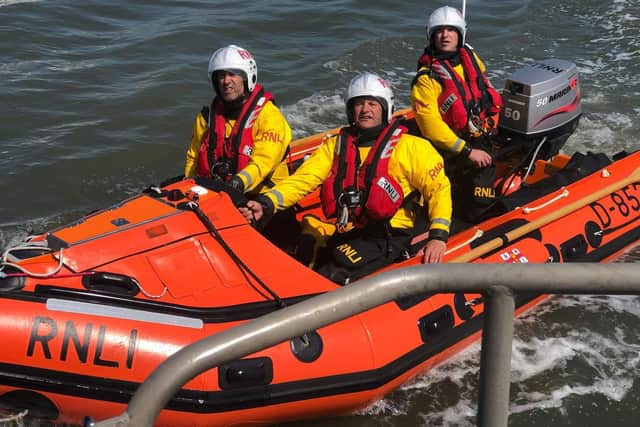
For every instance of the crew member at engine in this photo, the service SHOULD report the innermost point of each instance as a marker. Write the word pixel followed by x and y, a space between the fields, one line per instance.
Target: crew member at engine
pixel 457 109
pixel 242 137
pixel 371 174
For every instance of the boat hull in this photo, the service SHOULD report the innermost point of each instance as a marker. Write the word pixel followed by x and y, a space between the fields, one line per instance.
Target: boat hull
pixel 107 299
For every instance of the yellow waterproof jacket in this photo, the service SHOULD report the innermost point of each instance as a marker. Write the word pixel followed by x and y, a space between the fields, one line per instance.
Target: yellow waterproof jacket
pixel 424 102
pixel 271 138
pixel 414 164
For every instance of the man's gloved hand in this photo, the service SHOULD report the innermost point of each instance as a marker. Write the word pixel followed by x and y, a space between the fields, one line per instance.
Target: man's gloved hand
pixel 236 183
pixel 237 196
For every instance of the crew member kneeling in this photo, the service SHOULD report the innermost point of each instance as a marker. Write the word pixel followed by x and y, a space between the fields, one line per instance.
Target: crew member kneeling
pixel 370 174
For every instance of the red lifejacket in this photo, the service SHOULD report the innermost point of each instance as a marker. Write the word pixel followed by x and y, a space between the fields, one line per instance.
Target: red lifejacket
pixel 367 190
pixel 470 106
pixel 235 151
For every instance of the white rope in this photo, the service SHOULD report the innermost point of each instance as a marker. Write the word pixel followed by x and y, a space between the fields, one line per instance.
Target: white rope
pixel 35 245
pixel 155 189
pixel 18 418
pixel 343 217
pixel 565 193
pixel 148 295
pixel 5 255
pixel 533 159
pixel 477 235
pixel 6 263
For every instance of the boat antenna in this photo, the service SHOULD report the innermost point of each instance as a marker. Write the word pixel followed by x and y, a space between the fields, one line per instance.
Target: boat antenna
pixel 464 9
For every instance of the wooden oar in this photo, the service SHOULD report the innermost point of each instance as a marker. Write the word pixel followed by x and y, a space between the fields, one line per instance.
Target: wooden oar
pixel 512 235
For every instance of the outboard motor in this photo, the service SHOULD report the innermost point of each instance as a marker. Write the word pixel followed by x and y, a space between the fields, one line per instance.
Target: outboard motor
pixel 541 110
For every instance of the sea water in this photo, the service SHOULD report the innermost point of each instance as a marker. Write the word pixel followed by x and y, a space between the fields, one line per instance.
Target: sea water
pixel 97 99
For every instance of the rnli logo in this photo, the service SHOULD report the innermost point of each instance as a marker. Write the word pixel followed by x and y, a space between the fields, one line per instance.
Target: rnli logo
pixel 84 342
pixel 388 188
pixel 546 67
pixel 271 136
pixel 383 82
pixel 448 103
pixel 485 192
pixel 433 173
pixel 350 253
pixel 244 54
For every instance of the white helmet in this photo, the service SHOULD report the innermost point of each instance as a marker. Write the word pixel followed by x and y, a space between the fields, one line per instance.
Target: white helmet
pixel 447 16
pixel 237 60
pixel 369 84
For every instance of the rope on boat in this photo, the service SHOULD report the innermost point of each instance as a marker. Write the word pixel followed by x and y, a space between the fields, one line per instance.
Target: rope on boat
pixel 195 208
pixel 477 235
pixel 148 295
pixel 54 273
pixel 565 193
pixel 25 272
pixel 17 418
pixel 533 159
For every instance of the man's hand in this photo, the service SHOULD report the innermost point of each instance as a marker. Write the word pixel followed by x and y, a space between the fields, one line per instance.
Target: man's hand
pixel 434 251
pixel 252 211
pixel 480 158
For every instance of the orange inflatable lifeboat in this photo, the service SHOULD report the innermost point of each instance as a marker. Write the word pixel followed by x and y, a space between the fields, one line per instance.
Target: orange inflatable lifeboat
pixel 89 310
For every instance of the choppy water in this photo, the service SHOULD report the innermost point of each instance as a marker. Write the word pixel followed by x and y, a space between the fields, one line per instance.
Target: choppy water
pixel 97 100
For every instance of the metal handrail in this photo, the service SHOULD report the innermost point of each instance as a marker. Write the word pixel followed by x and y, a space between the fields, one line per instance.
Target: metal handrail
pixel 497 281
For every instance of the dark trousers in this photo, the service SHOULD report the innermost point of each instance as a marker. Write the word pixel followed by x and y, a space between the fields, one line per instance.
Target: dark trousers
pixel 359 252
pixel 472 188
pixel 282 229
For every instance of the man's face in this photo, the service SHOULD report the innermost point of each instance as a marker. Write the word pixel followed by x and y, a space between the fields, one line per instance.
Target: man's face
pixel 367 112
pixel 230 85
pixel 445 39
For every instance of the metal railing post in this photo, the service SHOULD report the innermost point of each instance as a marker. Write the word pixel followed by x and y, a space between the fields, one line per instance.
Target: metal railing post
pixel 495 357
